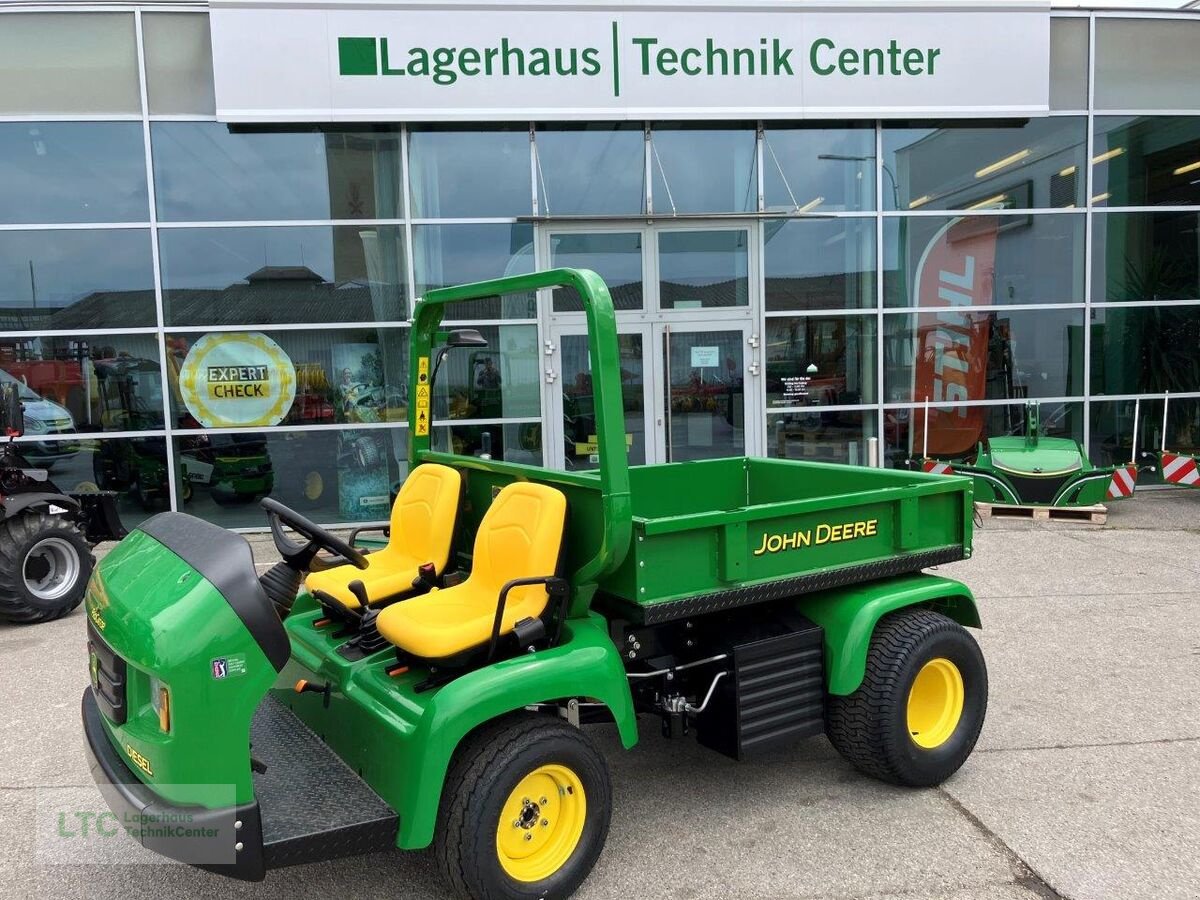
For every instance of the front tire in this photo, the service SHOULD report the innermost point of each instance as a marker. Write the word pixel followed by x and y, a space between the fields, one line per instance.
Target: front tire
pixel 525 812
pixel 916 716
pixel 45 564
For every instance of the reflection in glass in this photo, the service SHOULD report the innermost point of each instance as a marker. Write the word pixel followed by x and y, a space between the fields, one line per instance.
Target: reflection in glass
pixel 703 170
pixel 705 399
pixel 615 255
pixel 328 476
pixel 515 443
pixel 595 169
pixel 134 467
pixel 65 280
pixel 579 409
pixel 73 172
pixel 1152 349
pixel 265 276
pixel 208 171
pixel 819 263
pixel 1035 165
pixel 1146 256
pixel 903 435
pixel 459 254
pixel 86 384
pixel 1146 161
pixel 820 361
pixel 819 169
pixel 814 435
pixel 951 356
pixel 702 269
pixel 459 173
pixel 989 260
pixel 501 380
pixel 341 376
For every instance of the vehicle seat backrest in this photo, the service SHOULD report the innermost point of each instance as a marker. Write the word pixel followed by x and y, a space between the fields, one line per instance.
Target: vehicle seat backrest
pixel 519 537
pixel 424 514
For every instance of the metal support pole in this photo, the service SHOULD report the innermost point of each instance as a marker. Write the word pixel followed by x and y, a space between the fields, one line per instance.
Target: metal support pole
pixel 1137 409
pixel 1166 401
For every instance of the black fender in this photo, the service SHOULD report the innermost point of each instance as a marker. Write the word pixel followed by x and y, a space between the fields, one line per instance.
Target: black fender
pixel 14 504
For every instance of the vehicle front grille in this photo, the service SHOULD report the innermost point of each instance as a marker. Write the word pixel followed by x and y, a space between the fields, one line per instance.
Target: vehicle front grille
pixel 108 674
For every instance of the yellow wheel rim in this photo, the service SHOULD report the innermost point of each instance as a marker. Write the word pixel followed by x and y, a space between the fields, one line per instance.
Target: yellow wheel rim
pixel 935 703
pixel 541 823
pixel 314 485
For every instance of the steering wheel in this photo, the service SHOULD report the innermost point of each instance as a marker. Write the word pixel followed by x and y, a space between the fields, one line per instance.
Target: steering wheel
pixel 303 557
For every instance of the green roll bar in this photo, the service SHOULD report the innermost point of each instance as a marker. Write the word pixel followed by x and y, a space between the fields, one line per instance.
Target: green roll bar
pixel 606 392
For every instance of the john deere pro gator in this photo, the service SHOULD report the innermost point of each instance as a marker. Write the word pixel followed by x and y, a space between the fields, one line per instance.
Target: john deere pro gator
pixel 437 690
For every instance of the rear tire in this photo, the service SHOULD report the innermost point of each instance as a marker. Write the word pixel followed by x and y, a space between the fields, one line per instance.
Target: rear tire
pixel 507 779
pixel 45 564
pixel 916 716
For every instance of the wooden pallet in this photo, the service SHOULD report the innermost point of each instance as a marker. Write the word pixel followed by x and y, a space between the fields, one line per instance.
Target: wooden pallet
pixel 1097 514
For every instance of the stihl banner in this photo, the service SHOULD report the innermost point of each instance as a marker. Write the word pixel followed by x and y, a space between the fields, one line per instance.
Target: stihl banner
pixel 955 271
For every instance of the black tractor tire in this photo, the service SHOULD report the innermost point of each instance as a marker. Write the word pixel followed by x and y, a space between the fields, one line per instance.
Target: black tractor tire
pixel 484 776
pixel 367 453
pixel 870 728
pixel 34 545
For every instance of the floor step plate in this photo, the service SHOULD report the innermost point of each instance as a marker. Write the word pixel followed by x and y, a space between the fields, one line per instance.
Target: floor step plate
pixel 313 805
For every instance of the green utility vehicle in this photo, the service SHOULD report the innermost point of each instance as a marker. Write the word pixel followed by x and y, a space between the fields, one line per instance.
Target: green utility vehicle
pixel 432 691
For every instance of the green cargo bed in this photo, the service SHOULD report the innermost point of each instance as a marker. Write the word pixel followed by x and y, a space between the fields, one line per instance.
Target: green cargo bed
pixel 718 534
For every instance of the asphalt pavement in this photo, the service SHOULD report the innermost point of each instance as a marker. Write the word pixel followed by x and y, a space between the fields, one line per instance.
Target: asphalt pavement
pixel 1084 785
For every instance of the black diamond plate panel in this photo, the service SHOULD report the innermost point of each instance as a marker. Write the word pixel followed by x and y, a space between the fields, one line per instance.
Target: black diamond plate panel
pixel 658 613
pixel 313 805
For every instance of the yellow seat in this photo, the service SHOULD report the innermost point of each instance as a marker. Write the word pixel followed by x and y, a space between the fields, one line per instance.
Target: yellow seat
pixel 519 537
pixel 422 528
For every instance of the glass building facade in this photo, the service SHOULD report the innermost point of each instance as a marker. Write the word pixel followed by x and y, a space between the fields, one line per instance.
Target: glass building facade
pixel 781 287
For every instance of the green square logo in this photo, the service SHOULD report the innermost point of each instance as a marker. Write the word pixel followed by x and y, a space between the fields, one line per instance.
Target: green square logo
pixel 356 56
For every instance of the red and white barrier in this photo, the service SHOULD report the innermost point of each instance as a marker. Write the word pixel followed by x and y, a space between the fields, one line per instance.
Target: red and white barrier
pixel 935 467
pixel 1180 469
pixel 1124 480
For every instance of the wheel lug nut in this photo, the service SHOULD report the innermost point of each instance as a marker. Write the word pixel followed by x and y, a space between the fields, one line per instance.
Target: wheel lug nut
pixel 545 822
pixel 529 837
pixel 516 823
pixel 543 801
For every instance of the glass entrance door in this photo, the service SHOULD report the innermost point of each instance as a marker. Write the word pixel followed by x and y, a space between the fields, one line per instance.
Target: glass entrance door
pixel 576 409
pixel 702 403
pixel 684 296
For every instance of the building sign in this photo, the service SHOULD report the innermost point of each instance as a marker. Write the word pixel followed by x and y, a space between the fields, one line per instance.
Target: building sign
pixel 230 380
pixel 440 60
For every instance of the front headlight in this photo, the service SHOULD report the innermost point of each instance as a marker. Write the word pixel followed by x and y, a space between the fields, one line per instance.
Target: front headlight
pixel 160 699
pixel 36 426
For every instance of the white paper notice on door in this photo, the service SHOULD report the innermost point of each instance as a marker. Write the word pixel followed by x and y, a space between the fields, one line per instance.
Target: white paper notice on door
pixel 706 357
